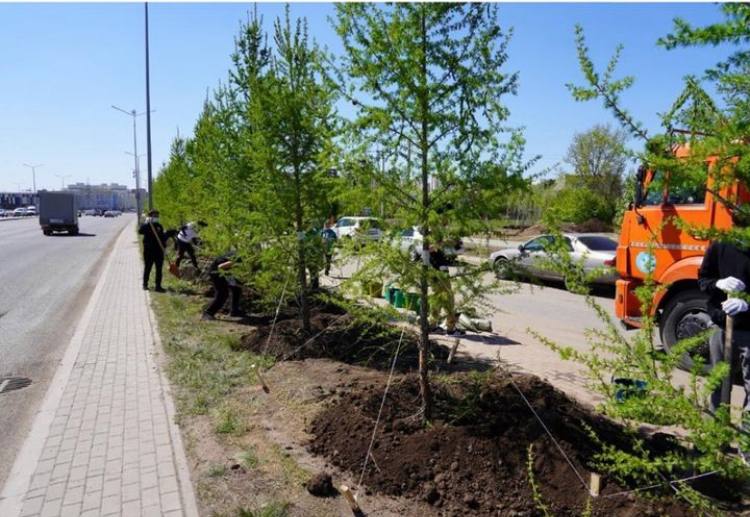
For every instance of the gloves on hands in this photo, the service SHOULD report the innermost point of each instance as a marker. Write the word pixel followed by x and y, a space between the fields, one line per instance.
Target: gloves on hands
pixel 734 306
pixel 730 284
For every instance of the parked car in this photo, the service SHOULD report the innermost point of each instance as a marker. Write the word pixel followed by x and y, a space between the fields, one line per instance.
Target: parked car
pixel 410 240
pixel 89 211
pixel 367 227
pixel 3 212
pixel 19 212
pixel 594 250
pixel 31 210
pixel 110 213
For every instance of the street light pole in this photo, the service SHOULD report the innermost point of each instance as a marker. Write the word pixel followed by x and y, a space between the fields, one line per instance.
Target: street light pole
pixel 138 202
pixel 137 176
pixel 148 116
pixel 33 172
pixel 62 180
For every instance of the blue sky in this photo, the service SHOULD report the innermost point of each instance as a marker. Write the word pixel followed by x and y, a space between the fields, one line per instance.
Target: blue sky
pixel 63 65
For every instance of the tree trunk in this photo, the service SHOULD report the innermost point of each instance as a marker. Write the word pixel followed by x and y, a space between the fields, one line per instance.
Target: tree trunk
pixel 301 269
pixel 424 326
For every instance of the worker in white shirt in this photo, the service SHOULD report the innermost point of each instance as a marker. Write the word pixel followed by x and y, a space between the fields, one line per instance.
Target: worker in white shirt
pixel 186 239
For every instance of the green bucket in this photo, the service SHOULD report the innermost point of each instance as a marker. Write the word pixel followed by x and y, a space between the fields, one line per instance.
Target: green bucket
pixel 398 298
pixel 413 301
pixel 388 293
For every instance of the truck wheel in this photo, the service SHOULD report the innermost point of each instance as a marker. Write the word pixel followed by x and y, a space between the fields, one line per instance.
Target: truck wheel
pixel 47 232
pixel 684 316
pixel 73 231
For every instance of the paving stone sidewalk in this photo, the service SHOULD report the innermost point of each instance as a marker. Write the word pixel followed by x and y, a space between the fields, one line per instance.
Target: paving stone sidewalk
pixel 105 442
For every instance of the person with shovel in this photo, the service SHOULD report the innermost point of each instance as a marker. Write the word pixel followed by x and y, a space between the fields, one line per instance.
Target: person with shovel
pixel 223 284
pixel 154 243
pixel 724 275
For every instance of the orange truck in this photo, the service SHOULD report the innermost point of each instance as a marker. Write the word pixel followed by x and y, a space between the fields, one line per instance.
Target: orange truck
pixel 651 244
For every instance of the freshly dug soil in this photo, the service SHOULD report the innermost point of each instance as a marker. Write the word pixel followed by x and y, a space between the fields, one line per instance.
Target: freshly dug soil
pixel 473 459
pixel 336 335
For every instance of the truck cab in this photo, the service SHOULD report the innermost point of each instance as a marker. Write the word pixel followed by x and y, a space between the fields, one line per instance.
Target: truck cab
pixel 651 244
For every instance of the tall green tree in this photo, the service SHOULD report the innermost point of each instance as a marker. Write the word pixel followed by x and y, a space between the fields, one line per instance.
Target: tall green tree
pixel 427 80
pixel 294 142
pixel 256 168
pixel 599 159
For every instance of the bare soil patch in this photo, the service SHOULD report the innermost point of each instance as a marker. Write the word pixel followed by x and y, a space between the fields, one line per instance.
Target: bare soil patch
pixel 337 335
pixel 473 459
pixel 590 226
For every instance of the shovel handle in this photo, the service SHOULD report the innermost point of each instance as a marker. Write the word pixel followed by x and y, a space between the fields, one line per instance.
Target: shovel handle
pixel 726 386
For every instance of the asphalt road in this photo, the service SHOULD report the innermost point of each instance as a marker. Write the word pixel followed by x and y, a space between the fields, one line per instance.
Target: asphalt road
pixel 45 283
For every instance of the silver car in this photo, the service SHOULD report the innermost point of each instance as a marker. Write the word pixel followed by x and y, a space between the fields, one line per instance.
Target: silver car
pixel 593 250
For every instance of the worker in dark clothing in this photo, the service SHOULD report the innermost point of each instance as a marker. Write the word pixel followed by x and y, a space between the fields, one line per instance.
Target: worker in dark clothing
pixel 223 284
pixel 724 273
pixel 154 243
pixel 443 297
pixel 329 240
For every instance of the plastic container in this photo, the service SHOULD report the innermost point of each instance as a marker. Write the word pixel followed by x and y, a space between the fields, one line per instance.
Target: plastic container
pixel 388 292
pixel 399 300
pixel 413 301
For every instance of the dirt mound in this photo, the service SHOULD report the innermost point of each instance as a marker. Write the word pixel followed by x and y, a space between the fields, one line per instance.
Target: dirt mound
pixel 590 226
pixel 341 337
pixel 473 459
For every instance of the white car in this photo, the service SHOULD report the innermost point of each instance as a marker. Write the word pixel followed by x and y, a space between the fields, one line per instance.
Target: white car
pixel 4 213
pixel 367 227
pixel 411 240
pixel 19 212
pixel 593 250
pixel 31 210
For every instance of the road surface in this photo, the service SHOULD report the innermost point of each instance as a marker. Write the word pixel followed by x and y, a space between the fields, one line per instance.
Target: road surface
pixel 44 284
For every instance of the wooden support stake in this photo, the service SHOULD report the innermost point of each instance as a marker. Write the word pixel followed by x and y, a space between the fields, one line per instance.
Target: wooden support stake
pixel 595 484
pixel 344 489
pixel 452 353
pixel 261 379
pixel 726 386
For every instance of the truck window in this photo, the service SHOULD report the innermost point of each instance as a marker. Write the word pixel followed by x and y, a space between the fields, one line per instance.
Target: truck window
pixel 655 190
pixel 689 188
pixel 685 190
